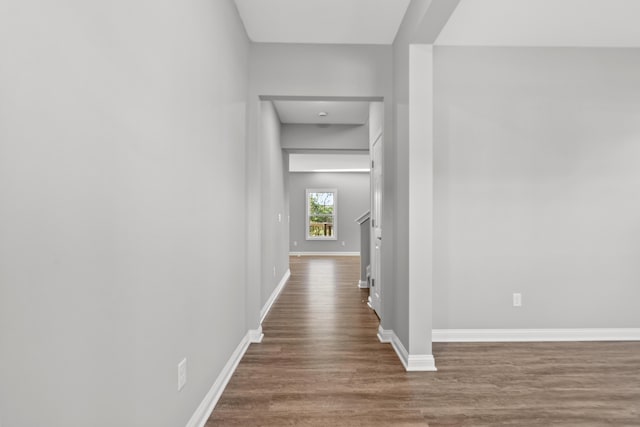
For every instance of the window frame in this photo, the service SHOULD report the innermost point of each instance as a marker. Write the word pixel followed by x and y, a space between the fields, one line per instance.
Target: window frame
pixel 335 213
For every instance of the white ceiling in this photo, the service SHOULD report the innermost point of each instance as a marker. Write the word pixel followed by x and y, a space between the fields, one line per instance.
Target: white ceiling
pixel 338 112
pixel 329 162
pixel 322 21
pixel 569 23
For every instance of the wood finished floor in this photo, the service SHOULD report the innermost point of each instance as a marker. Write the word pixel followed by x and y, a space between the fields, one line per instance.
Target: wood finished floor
pixel 320 364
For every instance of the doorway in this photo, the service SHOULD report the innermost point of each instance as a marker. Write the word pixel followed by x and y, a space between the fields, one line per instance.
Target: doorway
pixel 332 136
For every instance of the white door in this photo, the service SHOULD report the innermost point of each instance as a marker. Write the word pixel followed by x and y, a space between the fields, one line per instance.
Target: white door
pixel 375 288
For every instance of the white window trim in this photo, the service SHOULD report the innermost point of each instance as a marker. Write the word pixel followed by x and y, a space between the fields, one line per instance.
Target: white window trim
pixel 335 213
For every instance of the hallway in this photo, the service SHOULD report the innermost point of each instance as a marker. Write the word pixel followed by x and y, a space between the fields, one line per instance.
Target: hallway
pixel 321 364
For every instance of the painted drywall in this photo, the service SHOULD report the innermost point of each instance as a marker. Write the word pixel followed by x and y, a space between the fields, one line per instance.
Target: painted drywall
pixel 320 70
pixel 353 201
pixel 420 197
pixel 325 137
pixel 122 198
pixel 275 223
pixel 537 187
pixel 295 70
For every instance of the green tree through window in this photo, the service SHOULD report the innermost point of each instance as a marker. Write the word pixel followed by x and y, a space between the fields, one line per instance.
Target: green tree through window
pixel 321 214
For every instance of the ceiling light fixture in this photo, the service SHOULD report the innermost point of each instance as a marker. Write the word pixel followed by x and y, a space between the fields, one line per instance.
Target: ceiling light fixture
pixel 323 114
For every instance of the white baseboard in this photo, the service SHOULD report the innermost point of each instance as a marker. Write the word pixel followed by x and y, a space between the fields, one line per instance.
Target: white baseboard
pixel 411 362
pixel 202 413
pixel 324 253
pixel 255 335
pixel 385 335
pixel 274 295
pixel 362 284
pixel 532 335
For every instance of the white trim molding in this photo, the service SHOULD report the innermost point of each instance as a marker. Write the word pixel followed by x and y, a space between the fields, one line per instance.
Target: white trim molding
pixel 255 335
pixel 532 335
pixel 362 284
pixel 274 296
pixel 202 413
pixel 324 253
pixel 411 362
pixel 385 335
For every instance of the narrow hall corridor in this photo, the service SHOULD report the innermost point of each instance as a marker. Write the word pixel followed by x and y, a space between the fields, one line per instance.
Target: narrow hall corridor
pixel 320 362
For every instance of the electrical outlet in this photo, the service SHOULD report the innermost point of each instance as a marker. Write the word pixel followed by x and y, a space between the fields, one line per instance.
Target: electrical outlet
pixel 517 300
pixel 343 243
pixel 279 217
pixel 295 243
pixel 274 271
pixel 182 374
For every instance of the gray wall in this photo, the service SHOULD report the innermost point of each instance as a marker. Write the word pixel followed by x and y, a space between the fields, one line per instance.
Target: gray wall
pixel 327 137
pixel 537 187
pixel 320 70
pixel 122 188
pixel 275 224
pixel 353 201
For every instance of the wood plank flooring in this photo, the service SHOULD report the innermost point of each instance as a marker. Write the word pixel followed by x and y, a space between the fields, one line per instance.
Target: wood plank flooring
pixel 320 364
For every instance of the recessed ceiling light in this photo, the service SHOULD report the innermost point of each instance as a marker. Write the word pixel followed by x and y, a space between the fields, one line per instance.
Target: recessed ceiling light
pixel 323 114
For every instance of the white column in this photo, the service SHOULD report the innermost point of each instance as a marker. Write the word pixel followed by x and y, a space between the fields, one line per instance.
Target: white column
pixel 420 356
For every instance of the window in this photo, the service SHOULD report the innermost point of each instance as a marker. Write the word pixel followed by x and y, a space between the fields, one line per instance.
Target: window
pixel 322 214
